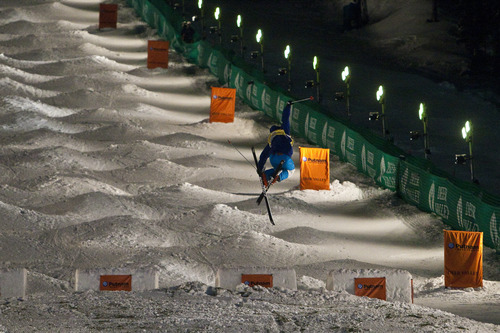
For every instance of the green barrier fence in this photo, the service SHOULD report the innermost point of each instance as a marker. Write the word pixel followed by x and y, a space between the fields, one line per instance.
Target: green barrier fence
pixel 461 205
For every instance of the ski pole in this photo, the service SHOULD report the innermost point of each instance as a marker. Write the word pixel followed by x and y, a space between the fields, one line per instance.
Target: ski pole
pixel 241 154
pixel 302 100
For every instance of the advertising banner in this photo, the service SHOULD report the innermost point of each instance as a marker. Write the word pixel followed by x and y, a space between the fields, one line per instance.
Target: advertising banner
pixel 115 282
pixel 264 280
pixel 158 53
pixel 314 168
pixel 463 259
pixel 222 105
pixel 108 15
pixel 373 287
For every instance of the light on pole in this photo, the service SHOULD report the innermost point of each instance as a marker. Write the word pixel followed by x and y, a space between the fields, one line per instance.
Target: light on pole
pixel 200 6
pixel 217 16
pixel 259 39
pixel 316 69
pixel 346 77
pixel 467 135
pixel 422 114
pixel 381 100
pixel 288 57
pixel 239 23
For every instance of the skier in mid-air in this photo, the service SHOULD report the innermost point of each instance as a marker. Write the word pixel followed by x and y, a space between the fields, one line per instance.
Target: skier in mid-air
pixel 279 148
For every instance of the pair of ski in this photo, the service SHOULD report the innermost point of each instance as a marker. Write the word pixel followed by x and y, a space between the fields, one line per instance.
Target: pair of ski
pixel 263 195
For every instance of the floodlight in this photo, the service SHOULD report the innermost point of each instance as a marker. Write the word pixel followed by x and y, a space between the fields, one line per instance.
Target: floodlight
pixel 421 112
pixel 238 21
pixel 467 131
pixel 345 74
pixel 380 94
pixel 287 51
pixel 258 37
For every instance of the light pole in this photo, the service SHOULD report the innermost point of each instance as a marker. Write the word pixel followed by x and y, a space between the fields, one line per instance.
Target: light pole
pixel 239 23
pixel 381 100
pixel 346 77
pixel 288 57
pixel 259 39
pixel 217 16
pixel 422 114
pixel 200 6
pixel 467 135
pixel 316 68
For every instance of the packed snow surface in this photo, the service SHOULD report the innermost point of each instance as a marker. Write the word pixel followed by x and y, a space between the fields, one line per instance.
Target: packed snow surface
pixel 106 164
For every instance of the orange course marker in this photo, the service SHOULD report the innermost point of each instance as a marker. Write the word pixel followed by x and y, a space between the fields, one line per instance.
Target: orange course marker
pixel 108 15
pixel 373 287
pixel 314 168
pixel 463 259
pixel 115 282
pixel 222 105
pixel 158 53
pixel 264 280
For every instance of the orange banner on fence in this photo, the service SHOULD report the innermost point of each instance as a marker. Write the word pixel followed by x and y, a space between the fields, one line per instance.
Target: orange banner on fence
pixel 108 15
pixel 463 259
pixel 116 282
pixel 158 53
pixel 373 287
pixel 314 168
pixel 264 280
pixel 222 105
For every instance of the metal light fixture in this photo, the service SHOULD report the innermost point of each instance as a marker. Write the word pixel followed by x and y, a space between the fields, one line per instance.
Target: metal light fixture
pixel 381 100
pixel 239 24
pixel 460 159
pixel 316 69
pixel 467 135
pixel 346 77
pixel 288 57
pixel 414 135
pixel 200 6
pixel 372 116
pixel 282 71
pixel 422 115
pixel 310 84
pixel 217 17
pixel 259 38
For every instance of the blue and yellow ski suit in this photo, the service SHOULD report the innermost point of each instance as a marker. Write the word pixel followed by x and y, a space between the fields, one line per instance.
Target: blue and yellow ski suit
pixel 279 147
